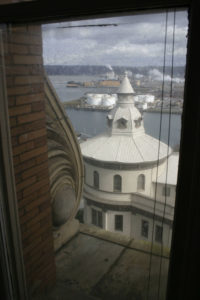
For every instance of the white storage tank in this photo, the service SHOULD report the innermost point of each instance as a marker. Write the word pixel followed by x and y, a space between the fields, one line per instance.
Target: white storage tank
pixel 144 98
pixel 109 100
pixel 93 99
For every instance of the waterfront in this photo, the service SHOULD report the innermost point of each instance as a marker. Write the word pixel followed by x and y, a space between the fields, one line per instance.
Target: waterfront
pixel 72 93
pixel 91 123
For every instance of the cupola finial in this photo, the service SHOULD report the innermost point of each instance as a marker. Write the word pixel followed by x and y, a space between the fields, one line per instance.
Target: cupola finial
pixel 125 87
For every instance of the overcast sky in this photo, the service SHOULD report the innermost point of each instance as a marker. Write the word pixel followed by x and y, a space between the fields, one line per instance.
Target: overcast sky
pixel 133 41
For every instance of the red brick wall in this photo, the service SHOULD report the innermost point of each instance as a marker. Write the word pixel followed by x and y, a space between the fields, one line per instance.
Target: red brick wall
pixel 24 75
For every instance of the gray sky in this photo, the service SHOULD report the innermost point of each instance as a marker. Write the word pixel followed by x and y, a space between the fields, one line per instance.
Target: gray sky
pixel 137 40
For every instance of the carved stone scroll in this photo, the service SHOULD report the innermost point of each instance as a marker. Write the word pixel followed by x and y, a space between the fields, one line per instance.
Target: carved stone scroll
pixel 65 160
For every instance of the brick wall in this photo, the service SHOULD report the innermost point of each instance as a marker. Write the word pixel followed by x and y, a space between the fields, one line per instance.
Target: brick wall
pixel 25 90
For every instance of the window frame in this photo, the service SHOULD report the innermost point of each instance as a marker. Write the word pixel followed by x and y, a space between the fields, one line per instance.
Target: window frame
pixel 186 221
pixel 32 11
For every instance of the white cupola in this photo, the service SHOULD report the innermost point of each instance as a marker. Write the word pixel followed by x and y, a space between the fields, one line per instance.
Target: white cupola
pixel 126 118
pixel 125 140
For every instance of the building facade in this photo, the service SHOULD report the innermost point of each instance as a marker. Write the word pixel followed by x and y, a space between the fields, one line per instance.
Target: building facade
pixel 130 177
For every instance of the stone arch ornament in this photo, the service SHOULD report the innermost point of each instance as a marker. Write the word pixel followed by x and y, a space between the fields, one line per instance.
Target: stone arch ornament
pixel 65 167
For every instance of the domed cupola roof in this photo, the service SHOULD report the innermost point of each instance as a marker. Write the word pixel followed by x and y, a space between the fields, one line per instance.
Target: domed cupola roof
pixel 125 140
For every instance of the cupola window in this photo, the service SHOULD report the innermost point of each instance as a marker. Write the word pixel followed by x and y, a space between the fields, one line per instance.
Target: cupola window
pixel 141 182
pixel 96 179
pixel 117 184
pixel 122 123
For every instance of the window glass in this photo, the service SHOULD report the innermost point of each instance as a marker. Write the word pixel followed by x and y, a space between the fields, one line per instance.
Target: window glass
pixel 166 191
pixel 158 233
pixel 100 219
pixel 119 222
pixel 96 179
pixel 130 70
pixel 122 123
pixel 141 182
pixel 97 218
pixel 117 183
pixel 94 217
pixel 145 228
pixel 121 82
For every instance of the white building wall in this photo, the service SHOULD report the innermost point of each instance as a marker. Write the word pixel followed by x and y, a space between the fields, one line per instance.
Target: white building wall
pixel 88 214
pixel 132 224
pixel 129 179
pixel 136 230
pixel 136 224
pixel 159 193
pixel 110 224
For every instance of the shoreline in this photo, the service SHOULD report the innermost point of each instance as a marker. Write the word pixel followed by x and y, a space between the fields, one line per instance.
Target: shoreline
pixel 79 104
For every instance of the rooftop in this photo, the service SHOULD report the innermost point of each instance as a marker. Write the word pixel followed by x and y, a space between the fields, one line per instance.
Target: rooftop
pixel 124 149
pixel 96 264
pixel 169 175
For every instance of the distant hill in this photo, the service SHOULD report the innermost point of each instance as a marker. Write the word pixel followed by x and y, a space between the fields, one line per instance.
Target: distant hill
pixel 98 70
pixel 75 70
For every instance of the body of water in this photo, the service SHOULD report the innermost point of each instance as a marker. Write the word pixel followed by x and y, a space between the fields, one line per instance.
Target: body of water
pixel 69 93
pixel 91 123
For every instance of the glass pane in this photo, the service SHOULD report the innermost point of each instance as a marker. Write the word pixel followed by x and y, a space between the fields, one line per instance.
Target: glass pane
pixel 121 81
pixel 145 229
pixel 96 180
pixel 94 217
pixel 117 183
pixel 100 219
pixel 119 222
